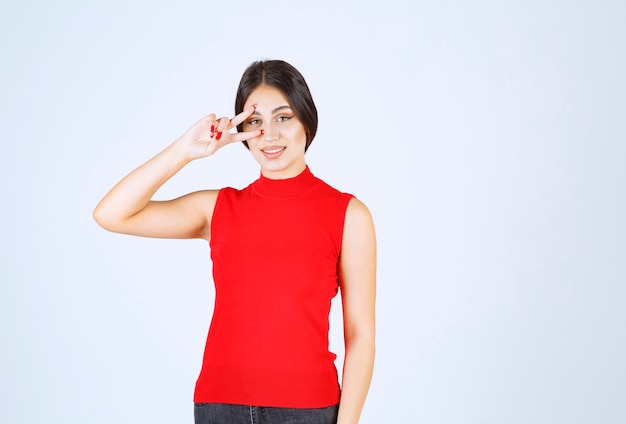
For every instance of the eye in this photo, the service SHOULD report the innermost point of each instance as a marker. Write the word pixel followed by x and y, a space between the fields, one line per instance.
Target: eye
pixel 283 118
pixel 253 122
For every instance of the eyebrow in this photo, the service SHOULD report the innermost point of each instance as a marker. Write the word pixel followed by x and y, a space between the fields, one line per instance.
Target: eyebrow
pixel 279 108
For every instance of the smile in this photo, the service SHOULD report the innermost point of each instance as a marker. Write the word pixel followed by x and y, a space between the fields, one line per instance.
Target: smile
pixel 273 152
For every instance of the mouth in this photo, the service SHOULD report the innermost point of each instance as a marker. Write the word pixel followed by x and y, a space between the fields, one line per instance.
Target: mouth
pixel 272 152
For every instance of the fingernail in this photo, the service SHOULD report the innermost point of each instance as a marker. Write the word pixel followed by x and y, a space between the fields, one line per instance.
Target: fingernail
pixel 254 105
pixel 262 132
pixel 218 136
pixel 212 128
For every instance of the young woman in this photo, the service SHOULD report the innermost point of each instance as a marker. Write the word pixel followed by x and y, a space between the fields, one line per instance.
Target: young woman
pixel 281 249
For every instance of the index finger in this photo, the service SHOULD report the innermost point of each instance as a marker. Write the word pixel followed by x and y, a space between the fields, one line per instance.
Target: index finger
pixel 242 116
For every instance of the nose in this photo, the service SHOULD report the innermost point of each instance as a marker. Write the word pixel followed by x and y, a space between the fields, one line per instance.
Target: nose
pixel 270 132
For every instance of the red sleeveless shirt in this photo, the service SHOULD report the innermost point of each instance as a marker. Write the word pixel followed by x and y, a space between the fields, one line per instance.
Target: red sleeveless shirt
pixel 275 249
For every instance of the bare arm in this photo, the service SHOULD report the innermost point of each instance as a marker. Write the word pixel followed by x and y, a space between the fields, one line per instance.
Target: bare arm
pixel 357 273
pixel 128 207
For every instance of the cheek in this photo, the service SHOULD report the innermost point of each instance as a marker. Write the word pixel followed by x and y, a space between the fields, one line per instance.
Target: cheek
pixel 298 133
pixel 252 144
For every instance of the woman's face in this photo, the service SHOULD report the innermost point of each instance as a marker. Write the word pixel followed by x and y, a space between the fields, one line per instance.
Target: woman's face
pixel 280 149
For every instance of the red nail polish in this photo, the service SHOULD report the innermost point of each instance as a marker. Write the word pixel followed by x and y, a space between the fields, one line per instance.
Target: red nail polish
pixel 262 132
pixel 218 136
pixel 212 128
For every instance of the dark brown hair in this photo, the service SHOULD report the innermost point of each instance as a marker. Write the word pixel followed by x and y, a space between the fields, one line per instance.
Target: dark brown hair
pixel 284 77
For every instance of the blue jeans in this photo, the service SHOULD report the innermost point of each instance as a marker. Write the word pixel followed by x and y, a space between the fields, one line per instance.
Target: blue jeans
pixel 217 413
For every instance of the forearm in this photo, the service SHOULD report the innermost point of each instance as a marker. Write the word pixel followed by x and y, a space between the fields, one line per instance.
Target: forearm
pixel 357 375
pixel 133 192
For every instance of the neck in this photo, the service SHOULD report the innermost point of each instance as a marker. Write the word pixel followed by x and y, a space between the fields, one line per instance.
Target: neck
pixel 283 174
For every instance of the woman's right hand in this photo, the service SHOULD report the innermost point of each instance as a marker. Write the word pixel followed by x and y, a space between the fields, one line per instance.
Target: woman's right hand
pixel 127 208
pixel 210 134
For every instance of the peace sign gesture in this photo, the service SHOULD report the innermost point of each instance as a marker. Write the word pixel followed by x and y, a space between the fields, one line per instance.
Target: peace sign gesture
pixel 210 134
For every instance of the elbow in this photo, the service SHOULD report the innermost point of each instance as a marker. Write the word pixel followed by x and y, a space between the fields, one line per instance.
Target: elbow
pixel 100 218
pixel 103 219
pixel 361 348
pixel 362 338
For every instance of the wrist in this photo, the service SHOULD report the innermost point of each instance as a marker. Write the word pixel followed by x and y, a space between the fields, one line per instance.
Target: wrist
pixel 180 152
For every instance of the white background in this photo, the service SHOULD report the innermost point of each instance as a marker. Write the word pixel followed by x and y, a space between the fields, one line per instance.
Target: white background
pixel 487 138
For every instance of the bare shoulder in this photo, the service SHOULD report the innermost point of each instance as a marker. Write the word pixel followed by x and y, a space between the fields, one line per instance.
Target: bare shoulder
pixel 358 213
pixel 357 261
pixel 358 225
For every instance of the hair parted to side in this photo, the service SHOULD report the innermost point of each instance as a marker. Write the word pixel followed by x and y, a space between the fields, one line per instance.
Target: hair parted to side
pixel 284 77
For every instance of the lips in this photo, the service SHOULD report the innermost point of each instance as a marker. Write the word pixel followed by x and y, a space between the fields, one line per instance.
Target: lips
pixel 273 152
